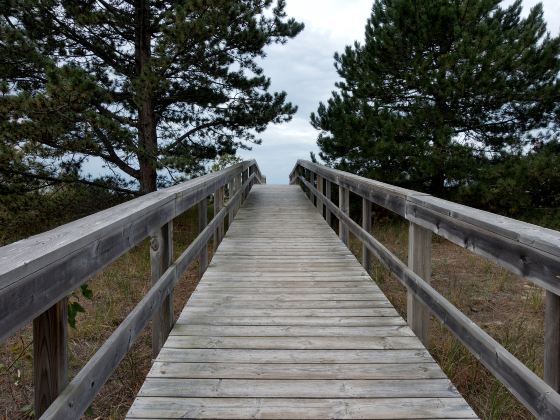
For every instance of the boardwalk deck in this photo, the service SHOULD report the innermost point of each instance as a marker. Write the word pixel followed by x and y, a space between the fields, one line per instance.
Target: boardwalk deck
pixel 285 323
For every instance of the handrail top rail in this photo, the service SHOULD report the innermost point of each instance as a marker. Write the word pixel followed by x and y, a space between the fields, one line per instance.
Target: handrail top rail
pixel 25 256
pixel 529 235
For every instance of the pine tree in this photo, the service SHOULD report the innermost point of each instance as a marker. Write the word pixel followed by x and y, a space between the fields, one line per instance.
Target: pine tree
pixel 145 85
pixel 438 89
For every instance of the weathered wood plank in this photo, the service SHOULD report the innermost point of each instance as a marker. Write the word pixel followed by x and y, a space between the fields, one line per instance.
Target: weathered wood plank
pixel 294 356
pixel 303 408
pixel 258 388
pixel 290 295
pixel 271 304
pixel 360 321
pixel 399 330
pixel 240 291
pixel 294 343
pixel 280 312
pixel 299 371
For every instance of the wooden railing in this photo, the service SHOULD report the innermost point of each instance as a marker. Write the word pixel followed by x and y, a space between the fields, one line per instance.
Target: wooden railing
pixel 37 275
pixel 522 248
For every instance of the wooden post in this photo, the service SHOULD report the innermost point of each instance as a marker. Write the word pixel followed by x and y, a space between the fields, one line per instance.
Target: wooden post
pixel 366 224
pixel 239 185
pixel 218 205
pixel 251 171
pixel 293 176
pixel 222 205
pixel 552 340
pixel 202 223
pixel 216 211
pixel 161 257
pixel 222 223
pixel 50 355
pixel 307 176
pixel 232 190
pixel 328 194
pixel 343 204
pixel 244 177
pixel 320 199
pixel 419 261
pixel 312 179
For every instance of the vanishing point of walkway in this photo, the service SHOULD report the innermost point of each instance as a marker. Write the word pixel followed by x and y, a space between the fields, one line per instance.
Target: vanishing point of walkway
pixel 286 323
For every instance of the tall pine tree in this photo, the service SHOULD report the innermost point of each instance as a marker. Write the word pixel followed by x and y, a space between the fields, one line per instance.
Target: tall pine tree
pixel 438 89
pixel 142 84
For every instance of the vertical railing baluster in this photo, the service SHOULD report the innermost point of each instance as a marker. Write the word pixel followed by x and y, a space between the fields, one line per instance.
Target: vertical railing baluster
pixel 232 191
pixel 218 205
pixel 202 223
pixel 312 178
pixel 244 177
pixel 366 224
pixel 161 257
pixel 343 204
pixel 239 186
pixel 50 355
pixel 328 194
pixel 419 261
pixel 320 199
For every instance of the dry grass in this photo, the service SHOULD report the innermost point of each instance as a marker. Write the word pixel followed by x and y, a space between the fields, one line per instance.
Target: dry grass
pixel 507 307
pixel 116 291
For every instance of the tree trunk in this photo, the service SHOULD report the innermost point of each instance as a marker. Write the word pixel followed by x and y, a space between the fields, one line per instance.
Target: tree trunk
pixel 147 133
pixel 437 187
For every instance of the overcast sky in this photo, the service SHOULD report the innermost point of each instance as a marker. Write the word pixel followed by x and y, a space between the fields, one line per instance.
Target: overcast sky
pixel 304 69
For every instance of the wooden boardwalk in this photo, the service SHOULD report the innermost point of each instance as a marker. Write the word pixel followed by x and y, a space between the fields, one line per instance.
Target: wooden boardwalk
pixel 285 323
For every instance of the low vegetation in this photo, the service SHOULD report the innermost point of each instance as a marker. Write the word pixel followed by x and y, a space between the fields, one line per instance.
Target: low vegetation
pixel 116 291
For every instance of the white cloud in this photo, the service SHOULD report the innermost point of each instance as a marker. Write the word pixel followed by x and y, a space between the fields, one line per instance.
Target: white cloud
pixel 304 69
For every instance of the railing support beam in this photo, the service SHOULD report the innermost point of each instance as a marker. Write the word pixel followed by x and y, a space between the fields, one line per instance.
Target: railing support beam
pixel 419 261
pixel 552 341
pixel 50 355
pixel 161 257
